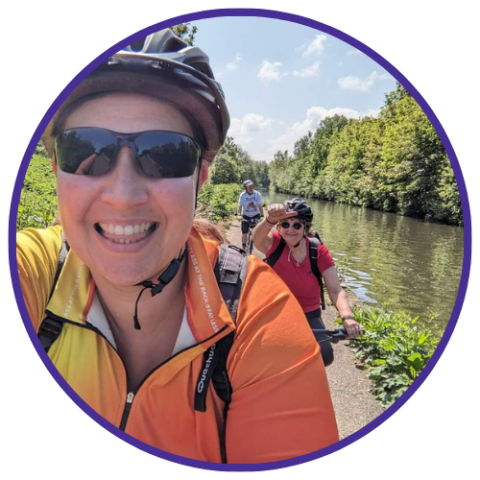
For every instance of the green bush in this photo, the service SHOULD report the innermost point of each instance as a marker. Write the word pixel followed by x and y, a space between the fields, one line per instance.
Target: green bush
pixel 216 202
pixel 38 199
pixel 394 350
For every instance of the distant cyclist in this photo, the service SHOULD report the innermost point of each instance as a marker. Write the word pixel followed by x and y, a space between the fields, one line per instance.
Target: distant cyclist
pixel 250 207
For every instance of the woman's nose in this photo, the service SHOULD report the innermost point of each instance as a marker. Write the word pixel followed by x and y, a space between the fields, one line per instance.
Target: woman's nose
pixel 125 185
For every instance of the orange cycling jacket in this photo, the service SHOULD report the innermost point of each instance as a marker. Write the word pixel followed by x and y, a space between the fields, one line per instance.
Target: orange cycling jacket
pixel 281 405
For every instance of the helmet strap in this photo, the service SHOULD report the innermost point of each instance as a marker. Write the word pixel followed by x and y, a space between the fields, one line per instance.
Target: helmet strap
pixel 199 167
pixel 163 280
pixel 169 274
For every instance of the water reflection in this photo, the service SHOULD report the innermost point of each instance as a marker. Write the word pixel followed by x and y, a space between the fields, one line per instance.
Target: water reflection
pixel 410 264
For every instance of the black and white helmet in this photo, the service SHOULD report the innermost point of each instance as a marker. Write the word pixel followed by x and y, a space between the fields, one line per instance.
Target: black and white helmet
pixel 246 183
pixel 304 212
pixel 165 66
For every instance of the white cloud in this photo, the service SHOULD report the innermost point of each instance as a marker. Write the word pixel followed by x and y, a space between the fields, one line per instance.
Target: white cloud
pixel 308 72
pixel 315 47
pixel 269 71
pixel 232 66
pixel 353 52
pixel 361 85
pixel 301 48
pixel 244 129
pixel 371 112
pixel 314 116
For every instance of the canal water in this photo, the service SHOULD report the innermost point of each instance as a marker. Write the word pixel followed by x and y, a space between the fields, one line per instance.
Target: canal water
pixel 407 263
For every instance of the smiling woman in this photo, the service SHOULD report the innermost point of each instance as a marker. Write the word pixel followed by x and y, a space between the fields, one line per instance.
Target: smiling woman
pixel 303 262
pixel 130 149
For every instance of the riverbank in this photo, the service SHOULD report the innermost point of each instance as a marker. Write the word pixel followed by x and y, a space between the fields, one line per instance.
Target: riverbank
pixel 354 405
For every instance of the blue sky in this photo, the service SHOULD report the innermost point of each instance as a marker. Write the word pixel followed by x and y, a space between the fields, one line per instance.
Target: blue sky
pixel 281 79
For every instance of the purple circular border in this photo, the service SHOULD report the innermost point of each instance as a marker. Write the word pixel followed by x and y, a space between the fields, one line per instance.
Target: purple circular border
pixel 461 187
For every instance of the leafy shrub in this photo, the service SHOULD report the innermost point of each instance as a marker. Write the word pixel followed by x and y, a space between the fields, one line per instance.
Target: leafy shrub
pixel 218 201
pixel 38 199
pixel 394 349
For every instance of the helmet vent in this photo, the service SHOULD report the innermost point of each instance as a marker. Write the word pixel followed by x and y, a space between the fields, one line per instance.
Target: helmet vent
pixel 173 44
pixel 138 45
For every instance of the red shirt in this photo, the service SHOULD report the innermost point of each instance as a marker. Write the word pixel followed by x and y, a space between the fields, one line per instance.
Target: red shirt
pixel 300 279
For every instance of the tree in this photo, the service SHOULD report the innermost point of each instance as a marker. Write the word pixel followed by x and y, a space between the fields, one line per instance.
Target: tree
pixel 186 31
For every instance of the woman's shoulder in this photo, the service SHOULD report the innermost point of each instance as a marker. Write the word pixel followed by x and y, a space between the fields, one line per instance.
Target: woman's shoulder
pixel 271 326
pixel 322 248
pixel 276 241
pixel 38 253
pixel 47 240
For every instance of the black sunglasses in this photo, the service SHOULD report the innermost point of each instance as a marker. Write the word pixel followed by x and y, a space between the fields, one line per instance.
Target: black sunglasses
pixel 93 151
pixel 287 225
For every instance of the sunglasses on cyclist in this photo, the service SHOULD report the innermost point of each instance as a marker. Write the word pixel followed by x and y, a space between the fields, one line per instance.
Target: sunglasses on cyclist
pixel 287 225
pixel 159 153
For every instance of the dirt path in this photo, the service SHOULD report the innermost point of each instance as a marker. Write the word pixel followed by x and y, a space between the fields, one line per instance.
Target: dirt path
pixel 354 405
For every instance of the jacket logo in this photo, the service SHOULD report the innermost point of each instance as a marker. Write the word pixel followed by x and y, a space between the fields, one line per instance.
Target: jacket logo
pixel 206 369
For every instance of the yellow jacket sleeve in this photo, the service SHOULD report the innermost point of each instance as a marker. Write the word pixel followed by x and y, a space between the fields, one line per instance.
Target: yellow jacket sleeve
pixel 38 252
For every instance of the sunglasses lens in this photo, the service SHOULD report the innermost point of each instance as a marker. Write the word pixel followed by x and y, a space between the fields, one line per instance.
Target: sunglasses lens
pixel 92 151
pixel 87 151
pixel 167 154
pixel 287 225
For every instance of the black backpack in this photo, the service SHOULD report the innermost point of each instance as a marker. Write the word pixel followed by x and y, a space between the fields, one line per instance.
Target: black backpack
pixel 312 253
pixel 230 272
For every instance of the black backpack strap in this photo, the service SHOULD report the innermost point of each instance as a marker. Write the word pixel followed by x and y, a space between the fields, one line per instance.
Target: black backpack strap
pixel 313 253
pixel 61 260
pixel 230 272
pixel 275 255
pixel 51 328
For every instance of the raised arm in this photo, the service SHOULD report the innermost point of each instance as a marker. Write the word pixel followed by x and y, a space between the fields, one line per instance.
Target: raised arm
pixel 262 237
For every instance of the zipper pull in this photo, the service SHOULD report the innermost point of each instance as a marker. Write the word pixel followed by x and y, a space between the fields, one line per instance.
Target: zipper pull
pixel 126 411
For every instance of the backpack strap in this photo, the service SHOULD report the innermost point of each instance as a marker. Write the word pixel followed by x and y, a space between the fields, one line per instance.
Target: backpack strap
pixel 275 255
pixel 313 254
pixel 51 328
pixel 230 271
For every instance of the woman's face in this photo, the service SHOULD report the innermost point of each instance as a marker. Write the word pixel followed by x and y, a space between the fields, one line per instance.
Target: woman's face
pixel 291 235
pixel 124 226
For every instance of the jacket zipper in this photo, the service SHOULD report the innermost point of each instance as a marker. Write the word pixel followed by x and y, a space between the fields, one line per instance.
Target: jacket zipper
pixel 130 395
pixel 126 411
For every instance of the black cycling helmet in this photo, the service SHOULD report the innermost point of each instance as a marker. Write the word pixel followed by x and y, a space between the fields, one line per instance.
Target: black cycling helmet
pixel 165 66
pixel 304 212
pixel 246 183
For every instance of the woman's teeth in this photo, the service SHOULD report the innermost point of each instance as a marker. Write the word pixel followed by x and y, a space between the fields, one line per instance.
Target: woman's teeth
pixel 126 230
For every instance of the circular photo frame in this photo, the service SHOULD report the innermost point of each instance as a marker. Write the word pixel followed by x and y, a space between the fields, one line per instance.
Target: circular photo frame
pixel 392 71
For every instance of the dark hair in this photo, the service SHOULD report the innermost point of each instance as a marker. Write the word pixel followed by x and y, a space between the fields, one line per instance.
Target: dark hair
pixel 209 230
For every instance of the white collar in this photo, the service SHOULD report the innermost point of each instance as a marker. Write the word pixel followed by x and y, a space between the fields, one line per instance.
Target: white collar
pixel 97 318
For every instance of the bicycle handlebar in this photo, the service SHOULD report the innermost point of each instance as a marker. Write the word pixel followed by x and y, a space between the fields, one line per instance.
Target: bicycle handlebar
pixel 334 335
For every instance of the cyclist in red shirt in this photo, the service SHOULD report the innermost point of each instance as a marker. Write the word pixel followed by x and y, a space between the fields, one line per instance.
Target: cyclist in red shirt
pixel 293 221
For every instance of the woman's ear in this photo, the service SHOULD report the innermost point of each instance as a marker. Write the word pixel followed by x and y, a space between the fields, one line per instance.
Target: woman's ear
pixel 203 173
pixel 54 164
